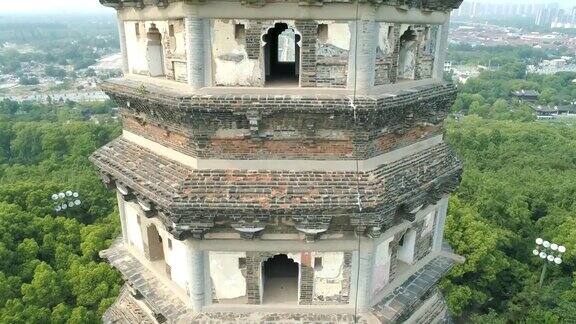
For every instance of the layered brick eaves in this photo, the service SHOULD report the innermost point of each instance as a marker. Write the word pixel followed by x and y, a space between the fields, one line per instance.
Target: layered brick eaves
pixel 199 199
pixel 248 127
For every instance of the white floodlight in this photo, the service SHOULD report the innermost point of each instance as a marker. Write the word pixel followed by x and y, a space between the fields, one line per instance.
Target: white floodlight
pixel 539 241
pixel 561 249
pixel 557 260
pixel 536 252
pixel 61 195
pixel 55 197
pixel 77 202
pixel 64 206
pixel 57 208
pixel 550 257
pixel 554 246
pixel 543 255
pixel 546 244
pixel 75 195
pixel 68 193
pixel 71 204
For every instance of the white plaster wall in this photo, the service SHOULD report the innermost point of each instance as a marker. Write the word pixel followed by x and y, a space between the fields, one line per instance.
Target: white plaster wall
pixel 227 279
pixel 132 227
pixel 245 72
pixel 386 41
pixel 381 271
pixel 136 46
pixel 429 223
pixel 176 258
pixel 328 281
pixel 338 34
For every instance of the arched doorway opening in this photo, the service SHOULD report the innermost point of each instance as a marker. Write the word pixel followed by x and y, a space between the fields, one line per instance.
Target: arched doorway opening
pixel 281 56
pixel 280 280
pixel 407 55
pixel 155 247
pixel 154 52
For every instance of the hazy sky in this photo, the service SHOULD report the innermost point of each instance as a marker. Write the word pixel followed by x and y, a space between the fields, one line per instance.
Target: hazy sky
pixel 52 6
pixel 65 6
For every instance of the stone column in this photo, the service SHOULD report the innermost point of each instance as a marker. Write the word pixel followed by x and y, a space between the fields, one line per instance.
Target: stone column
pixel 122 210
pixel 362 57
pixel 196 278
pixel 123 48
pixel 363 276
pixel 440 221
pixel 441 48
pixel 195 51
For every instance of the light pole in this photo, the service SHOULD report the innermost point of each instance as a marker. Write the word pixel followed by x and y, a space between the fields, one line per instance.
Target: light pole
pixel 548 252
pixel 65 200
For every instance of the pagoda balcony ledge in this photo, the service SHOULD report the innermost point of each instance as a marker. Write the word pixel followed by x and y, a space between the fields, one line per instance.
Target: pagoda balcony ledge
pixel 179 89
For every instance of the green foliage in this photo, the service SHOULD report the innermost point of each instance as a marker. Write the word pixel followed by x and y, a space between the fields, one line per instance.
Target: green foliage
pixel 50 271
pixel 519 183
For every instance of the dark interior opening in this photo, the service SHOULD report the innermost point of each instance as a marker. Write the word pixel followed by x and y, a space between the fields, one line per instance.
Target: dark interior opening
pixel 280 280
pixel 280 266
pixel 282 55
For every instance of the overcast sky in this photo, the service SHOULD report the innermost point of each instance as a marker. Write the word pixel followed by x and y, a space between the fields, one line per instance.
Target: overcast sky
pixel 52 6
pixel 69 6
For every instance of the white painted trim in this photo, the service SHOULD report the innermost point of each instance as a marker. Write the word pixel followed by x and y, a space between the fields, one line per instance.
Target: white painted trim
pixel 279 165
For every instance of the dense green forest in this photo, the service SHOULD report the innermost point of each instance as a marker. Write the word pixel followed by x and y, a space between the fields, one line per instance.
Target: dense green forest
pixel 519 183
pixel 50 271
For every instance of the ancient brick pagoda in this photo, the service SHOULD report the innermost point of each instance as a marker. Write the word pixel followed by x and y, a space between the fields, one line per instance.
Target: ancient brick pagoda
pixel 281 161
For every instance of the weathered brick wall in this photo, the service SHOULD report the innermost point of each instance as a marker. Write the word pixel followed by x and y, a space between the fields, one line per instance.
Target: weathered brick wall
pixel 168 136
pixel 307 29
pixel 423 242
pixel 253 275
pixel 331 66
pixel 282 127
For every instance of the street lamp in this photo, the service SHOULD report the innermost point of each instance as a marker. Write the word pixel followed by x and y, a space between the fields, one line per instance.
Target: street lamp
pixel 65 200
pixel 549 253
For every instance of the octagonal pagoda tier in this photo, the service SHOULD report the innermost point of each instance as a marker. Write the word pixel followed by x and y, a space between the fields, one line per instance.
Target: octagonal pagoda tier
pixel 281 161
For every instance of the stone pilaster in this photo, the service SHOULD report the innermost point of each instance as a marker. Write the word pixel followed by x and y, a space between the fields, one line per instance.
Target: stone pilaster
pixel 195 51
pixel 123 48
pixel 122 211
pixel 196 277
pixel 441 211
pixel 441 49
pixel 393 74
pixel 363 275
pixel 362 58
pixel 307 29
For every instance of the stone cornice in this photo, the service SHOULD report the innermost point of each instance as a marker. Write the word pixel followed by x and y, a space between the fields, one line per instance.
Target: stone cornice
pixel 432 5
